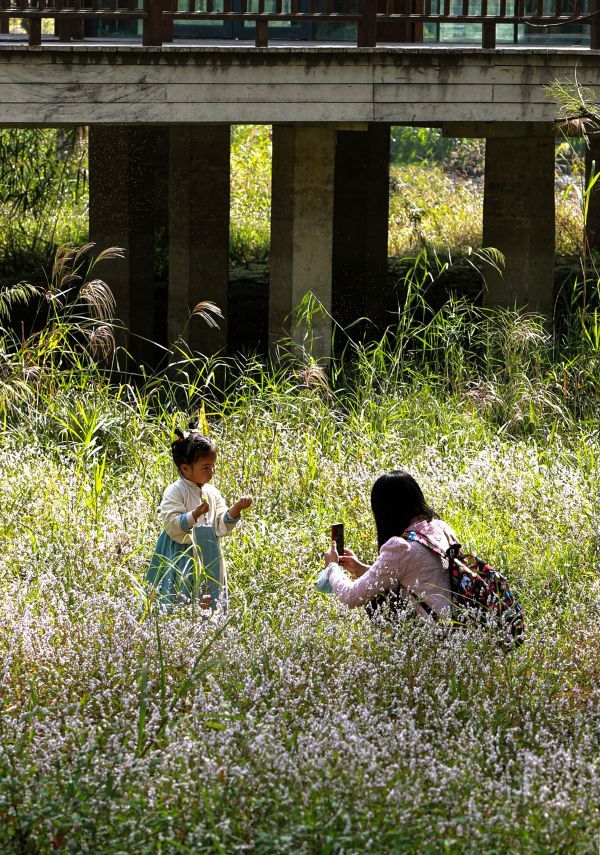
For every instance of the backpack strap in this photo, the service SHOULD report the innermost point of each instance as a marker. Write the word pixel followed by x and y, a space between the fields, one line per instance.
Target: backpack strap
pixel 417 537
pixel 414 536
pixel 452 554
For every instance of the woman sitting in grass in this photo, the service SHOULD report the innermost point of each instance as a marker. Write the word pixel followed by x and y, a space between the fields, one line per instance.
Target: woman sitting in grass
pixel 405 573
pixel 190 500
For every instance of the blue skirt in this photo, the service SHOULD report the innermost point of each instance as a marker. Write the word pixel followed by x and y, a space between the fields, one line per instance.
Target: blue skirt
pixel 181 573
pixel 173 571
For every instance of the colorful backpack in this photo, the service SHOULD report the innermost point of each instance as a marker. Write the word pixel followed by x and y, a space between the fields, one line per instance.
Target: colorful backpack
pixel 481 596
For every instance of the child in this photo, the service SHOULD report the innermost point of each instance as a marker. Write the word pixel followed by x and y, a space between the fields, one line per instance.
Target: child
pixel 192 499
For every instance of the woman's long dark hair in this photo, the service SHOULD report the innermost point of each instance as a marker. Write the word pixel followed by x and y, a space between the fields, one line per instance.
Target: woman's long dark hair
pixel 396 499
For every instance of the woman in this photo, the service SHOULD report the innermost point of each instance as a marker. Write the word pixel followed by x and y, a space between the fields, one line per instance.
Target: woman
pixel 405 571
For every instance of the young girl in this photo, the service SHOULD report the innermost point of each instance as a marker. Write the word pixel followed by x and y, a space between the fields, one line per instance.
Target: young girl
pixel 192 499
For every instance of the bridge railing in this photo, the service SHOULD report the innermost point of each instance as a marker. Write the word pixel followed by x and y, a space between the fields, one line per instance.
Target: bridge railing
pixel 369 16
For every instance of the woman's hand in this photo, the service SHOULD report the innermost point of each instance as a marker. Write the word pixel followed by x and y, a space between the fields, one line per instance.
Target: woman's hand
pixel 241 505
pixel 331 556
pixel 350 562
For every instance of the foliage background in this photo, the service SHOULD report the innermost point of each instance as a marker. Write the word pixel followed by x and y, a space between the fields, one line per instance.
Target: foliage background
pixel 43 197
pixel 436 195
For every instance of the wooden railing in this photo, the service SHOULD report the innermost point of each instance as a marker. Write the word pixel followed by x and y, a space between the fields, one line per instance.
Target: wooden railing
pixel 369 16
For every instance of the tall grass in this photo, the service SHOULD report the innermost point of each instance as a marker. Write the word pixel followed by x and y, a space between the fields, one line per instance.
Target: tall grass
pixel 297 725
pixel 43 196
pixel 436 194
pixel 250 229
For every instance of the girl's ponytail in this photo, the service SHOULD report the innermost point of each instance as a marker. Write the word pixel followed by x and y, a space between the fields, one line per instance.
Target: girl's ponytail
pixel 190 445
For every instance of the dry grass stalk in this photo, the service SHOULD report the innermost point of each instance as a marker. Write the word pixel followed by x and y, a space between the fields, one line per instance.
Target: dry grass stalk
pixel 205 309
pixel 98 296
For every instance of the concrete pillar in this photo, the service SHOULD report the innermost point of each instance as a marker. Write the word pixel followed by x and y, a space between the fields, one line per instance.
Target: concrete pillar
pixel 199 205
pixel 302 231
pixel 148 158
pixel 518 219
pixel 128 209
pixel 109 209
pixel 360 231
pixel 592 225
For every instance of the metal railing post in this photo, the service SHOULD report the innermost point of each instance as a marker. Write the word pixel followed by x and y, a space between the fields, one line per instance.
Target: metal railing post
pixel 261 38
pixel 367 27
pixel 595 25
pixel 168 23
pixel 488 34
pixel 35 30
pixel 152 32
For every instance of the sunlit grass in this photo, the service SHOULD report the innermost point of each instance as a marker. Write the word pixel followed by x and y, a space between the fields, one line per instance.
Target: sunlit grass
pixel 250 231
pixel 427 204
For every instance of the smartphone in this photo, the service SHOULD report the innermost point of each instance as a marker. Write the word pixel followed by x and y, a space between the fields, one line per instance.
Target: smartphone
pixel 337 534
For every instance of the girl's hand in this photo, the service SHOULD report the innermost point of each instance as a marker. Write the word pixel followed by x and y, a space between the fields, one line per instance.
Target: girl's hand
pixel 331 556
pixel 350 562
pixel 240 505
pixel 200 510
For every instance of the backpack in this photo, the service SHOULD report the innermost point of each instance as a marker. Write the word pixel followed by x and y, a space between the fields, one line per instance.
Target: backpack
pixel 481 596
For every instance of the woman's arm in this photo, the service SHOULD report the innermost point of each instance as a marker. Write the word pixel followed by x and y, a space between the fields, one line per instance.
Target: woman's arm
pixel 379 577
pixel 351 564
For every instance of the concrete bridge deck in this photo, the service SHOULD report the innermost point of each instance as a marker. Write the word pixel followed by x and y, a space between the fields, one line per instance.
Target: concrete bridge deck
pixel 120 82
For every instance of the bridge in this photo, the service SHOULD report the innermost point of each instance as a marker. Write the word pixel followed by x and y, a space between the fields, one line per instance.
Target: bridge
pixel 159 105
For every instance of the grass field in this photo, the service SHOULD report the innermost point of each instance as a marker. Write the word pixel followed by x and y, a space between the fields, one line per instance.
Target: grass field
pixel 295 725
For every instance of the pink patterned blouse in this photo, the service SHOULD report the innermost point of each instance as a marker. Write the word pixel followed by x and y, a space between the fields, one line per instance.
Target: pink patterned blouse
pixel 402 565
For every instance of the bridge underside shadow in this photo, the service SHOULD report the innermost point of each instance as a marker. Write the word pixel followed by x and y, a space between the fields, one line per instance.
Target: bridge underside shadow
pixel 160 123
pixel 163 193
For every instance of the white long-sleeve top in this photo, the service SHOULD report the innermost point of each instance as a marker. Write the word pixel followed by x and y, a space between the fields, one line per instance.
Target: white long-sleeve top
pixel 411 567
pixel 183 497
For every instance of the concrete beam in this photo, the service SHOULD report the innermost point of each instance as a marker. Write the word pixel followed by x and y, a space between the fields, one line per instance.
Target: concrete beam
pixel 495 130
pixel 518 219
pixel 302 232
pixel 91 84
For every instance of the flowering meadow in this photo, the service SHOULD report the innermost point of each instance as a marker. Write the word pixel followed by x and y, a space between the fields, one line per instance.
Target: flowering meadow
pixel 292 724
